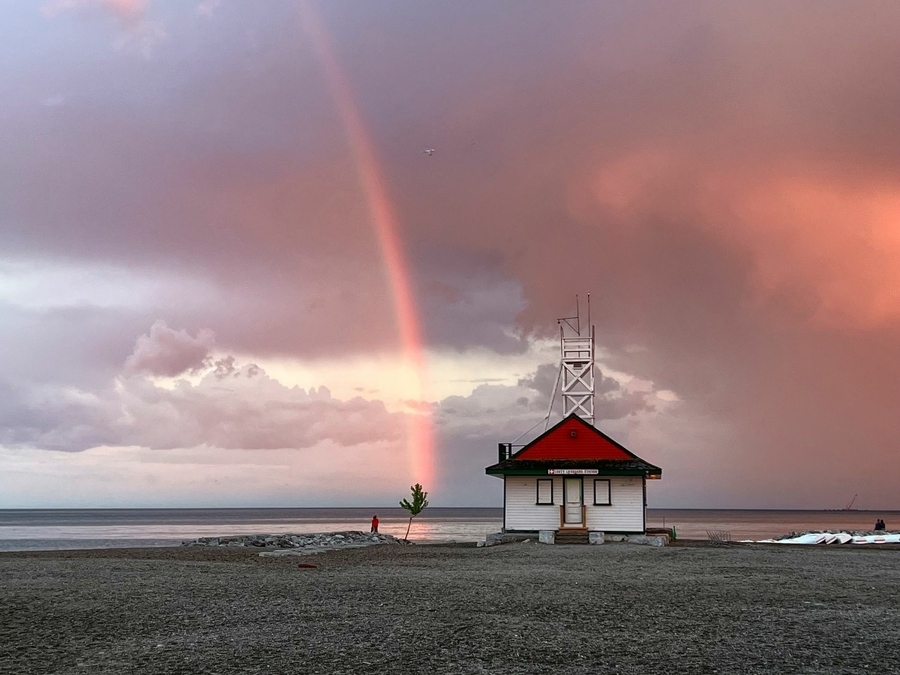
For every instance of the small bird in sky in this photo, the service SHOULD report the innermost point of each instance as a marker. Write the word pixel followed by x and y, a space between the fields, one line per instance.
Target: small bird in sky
pixel 429 151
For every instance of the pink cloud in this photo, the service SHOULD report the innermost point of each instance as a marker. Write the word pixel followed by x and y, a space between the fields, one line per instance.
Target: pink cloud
pixel 138 33
pixel 125 10
pixel 168 353
pixel 247 410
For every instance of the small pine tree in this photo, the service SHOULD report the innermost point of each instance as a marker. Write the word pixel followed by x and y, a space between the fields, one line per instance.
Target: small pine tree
pixel 416 506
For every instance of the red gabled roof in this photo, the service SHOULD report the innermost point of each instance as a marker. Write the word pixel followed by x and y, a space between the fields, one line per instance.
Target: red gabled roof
pixel 572 444
pixel 573 439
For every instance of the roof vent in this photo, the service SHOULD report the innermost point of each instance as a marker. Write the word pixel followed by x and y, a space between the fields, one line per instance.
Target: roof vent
pixel 573 433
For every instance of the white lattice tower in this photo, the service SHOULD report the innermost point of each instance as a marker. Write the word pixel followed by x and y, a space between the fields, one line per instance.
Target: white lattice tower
pixel 577 366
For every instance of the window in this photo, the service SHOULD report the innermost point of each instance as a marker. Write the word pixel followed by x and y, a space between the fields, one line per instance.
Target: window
pixel 601 492
pixel 545 491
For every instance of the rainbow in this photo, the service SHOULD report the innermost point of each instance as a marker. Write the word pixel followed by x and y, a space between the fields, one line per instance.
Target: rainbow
pixel 419 437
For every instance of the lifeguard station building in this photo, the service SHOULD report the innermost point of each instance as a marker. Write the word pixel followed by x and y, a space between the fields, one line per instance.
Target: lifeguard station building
pixel 574 479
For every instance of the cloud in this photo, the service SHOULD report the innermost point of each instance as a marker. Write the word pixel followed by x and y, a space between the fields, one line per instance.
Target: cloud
pixel 612 400
pixel 141 38
pixel 78 346
pixel 200 477
pixel 168 353
pixel 720 179
pixel 138 33
pixel 125 10
pixel 224 367
pixel 207 7
pixel 465 303
pixel 54 101
pixel 248 410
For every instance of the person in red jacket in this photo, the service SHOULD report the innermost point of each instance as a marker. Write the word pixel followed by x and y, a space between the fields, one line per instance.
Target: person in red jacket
pixel 374 524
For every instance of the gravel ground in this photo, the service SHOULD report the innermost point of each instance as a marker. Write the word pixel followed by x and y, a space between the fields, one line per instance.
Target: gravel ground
pixel 519 608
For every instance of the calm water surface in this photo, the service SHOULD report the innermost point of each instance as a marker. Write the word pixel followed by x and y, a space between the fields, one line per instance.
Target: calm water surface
pixel 37 529
pixel 40 529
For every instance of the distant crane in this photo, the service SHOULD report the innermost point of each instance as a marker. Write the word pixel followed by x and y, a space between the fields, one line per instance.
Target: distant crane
pixel 849 506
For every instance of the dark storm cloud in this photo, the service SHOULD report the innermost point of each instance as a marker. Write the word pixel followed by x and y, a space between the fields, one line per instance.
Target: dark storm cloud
pixel 544 380
pixel 723 178
pixel 465 303
pixel 610 401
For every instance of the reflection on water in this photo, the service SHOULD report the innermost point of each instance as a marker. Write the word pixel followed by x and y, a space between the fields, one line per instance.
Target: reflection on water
pixel 419 530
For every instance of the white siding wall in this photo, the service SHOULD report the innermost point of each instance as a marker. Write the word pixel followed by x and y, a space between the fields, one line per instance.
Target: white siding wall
pixel 626 510
pixel 521 511
pixel 624 514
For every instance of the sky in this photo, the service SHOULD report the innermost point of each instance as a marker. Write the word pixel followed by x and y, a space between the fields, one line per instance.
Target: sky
pixel 230 274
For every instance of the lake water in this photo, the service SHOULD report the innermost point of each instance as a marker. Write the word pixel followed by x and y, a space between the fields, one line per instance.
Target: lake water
pixel 35 529
pixel 42 529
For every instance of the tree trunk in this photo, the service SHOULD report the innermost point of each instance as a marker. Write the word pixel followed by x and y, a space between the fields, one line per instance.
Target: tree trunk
pixel 406 538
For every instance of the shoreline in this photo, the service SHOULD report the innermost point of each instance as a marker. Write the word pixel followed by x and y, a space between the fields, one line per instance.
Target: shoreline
pixel 307 543
pixel 182 552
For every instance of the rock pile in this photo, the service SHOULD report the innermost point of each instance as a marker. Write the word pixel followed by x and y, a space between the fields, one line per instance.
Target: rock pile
pixel 285 544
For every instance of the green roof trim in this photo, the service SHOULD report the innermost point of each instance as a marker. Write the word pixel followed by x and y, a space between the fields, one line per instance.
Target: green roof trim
pixel 542 467
pixel 492 471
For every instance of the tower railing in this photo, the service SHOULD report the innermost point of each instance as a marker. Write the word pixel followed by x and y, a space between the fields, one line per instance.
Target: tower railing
pixel 577 374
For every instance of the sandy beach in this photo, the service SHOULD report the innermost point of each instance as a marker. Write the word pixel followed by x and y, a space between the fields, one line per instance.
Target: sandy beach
pixel 518 608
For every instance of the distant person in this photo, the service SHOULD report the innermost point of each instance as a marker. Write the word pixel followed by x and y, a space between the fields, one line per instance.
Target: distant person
pixel 374 524
pixel 879 524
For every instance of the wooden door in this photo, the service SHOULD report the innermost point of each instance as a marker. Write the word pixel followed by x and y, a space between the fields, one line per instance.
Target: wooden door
pixel 574 498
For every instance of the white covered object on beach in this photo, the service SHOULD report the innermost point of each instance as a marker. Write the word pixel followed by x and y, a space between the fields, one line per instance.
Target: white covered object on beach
pixel 814 538
pixel 877 539
pixel 811 538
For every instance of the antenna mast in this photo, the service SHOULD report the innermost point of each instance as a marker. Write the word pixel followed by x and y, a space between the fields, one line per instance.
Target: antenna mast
pixel 577 364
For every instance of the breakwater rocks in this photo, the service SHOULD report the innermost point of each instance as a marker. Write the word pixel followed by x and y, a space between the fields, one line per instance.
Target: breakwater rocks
pixel 298 544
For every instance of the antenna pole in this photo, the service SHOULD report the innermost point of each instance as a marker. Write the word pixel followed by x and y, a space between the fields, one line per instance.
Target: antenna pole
pixel 589 312
pixel 577 315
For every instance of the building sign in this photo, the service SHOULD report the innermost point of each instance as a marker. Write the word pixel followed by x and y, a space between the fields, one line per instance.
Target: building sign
pixel 573 472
